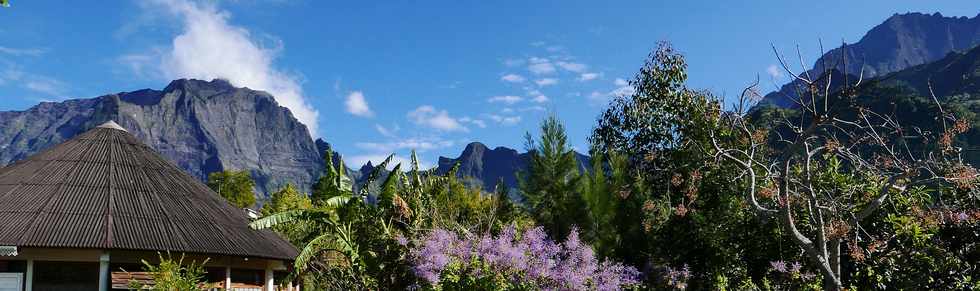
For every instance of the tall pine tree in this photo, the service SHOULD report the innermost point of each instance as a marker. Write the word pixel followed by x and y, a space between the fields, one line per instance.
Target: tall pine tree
pixel 550 184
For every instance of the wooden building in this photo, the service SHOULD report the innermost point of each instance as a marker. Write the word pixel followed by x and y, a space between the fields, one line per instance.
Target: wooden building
pixel 76 215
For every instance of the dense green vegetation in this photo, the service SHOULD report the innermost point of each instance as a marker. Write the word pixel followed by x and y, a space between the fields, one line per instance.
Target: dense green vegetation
pixel 866 186
pixel 236 186
pixel 170 274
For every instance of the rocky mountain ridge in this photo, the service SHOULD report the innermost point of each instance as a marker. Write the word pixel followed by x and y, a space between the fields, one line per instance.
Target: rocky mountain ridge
pixel 200 126
pixel 900 42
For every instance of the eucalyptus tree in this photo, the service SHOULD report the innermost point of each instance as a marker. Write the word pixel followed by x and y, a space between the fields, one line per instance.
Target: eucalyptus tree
pixel 675 206
pixel 827 168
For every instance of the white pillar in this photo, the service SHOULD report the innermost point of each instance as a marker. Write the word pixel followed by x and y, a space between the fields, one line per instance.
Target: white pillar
pixel 228 278
pixel 29 276
pixel 104 271
pixel 270 284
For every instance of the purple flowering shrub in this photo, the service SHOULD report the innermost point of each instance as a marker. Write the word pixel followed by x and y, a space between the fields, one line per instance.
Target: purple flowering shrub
pixel 444 260
pixel 790 275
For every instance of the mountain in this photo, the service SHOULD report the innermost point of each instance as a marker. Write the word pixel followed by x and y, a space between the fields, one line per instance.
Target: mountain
pixel 902 41
pixel 958 73
pixel 905 96
pixel 200 126
pixel 487 166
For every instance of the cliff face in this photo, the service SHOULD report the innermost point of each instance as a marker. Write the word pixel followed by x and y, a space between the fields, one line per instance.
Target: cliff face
pixel 200 126
pixel 902 41
pixel 487 166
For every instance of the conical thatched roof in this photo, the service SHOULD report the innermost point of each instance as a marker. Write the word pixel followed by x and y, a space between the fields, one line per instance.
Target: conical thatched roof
pixel 105 189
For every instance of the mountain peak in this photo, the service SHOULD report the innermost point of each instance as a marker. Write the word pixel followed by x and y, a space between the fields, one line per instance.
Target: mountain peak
pixel 900 42
pixel 490 166
pixel 195 84
pixel 474 148
pixel 201 126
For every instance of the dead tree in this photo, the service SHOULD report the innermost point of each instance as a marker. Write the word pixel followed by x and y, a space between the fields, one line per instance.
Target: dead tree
pixel 781 162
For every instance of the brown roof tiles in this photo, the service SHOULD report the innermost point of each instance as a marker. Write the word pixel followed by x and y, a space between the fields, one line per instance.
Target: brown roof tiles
pixel 105 189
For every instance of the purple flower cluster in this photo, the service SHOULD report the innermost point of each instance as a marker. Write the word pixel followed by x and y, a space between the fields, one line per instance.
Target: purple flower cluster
pixel 532 258
pixel 677 278
pixel 781 267
pixel 778 266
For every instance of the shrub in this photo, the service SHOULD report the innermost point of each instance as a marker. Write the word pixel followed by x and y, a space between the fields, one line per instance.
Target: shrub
pixel 444 260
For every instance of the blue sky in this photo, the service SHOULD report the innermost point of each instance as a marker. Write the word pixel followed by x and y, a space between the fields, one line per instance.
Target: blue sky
pixel 374 78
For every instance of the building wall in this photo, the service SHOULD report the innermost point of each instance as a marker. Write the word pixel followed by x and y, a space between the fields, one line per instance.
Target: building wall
pixel 78 269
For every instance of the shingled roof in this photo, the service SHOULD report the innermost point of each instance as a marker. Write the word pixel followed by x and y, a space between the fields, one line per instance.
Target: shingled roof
pixel 105 189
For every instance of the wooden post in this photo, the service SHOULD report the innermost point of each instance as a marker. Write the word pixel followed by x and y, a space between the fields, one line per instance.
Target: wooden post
pixel 29 276
pixel 270 284
pixel 104 271
pixel 228 278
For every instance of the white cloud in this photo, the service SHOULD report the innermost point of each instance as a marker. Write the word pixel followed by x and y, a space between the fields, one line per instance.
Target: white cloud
pixel 504 120
pixel 386 132
pixel 540 98
pixel 513 78
pixel 536 95
pixel 546 82
pixel 478 122
pixel 429 116
pixel 209 47
pixel 420 145
pixel 622 89
pixel 509 99
pixel 597 96
pixel 45 85
pixel 376 152
pixel 540 66
pixel 774 72
pixel 357 105
pixel 41 84
pixel 143 65
pixel 19 52
pixel 620 82
pixel 588 77
pixel 573 67
pixel 534 108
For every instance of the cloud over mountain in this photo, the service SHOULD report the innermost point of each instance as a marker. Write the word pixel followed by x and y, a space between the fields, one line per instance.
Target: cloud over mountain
pixel 209 47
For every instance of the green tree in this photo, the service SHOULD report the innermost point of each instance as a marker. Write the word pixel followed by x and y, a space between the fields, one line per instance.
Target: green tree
pixel 846 180
pixel 550 184
pixel 286 199
pixel 675 205
pixel 235 186
pixel 601 188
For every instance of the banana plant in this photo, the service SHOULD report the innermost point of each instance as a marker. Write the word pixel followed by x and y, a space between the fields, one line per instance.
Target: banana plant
pixel 345 223
pixel 335 236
